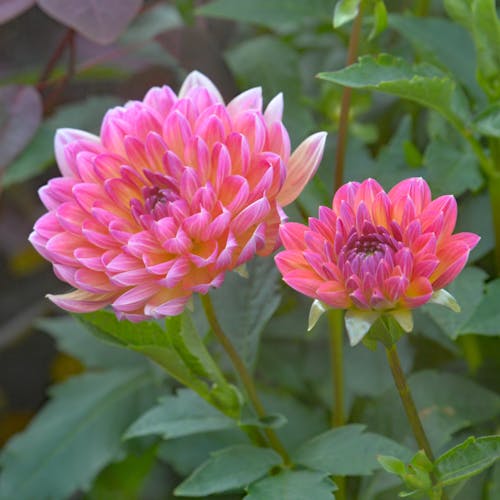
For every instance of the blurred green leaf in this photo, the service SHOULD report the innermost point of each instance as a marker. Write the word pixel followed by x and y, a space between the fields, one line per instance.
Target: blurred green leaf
pixel 488 121
pixel 178 415
pixel 39 154
pixel 245 305
pixel 347 451
pixel 275 14
pixel 379 19
pixel 75 435
pixel 232 468
pixel 493 485
pixel 293 485
pixel 345 11
pixel 269 62
pixel 467 459
pixel 486 318
pixel 468 291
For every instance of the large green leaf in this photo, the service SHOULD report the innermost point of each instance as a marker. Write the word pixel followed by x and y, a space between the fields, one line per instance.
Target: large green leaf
pixel 347 451
pixel 180 415
pixel 422 83
pixel 39 154
pixel 486 318
pixel 233 468
pixel 269 62
pixel 75 435
pixel 281 15
pixel 467 459
pixel 73 338
pixel 468 291
pixel 446 403
pixel 293 485
pixel 245 305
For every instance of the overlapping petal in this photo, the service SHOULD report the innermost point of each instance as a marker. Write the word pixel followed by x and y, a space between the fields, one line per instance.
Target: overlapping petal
pixel 175 191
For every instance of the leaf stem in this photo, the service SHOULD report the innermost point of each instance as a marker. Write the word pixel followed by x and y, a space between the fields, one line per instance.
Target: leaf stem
pixel 407 400
pixel 243 373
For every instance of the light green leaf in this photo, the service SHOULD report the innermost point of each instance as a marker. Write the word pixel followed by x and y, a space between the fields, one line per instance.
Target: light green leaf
pixel 379 19
pixel 423 83
pixel 485 320
pixel 39 154
pixel 232 468
pixel 468 292
pixel 293 485
pixel 180 415
pixel 281 15
pixel 345 11
pixel 75 435
pixel 347 451
pixel 467 459
pixel 245 305
pixel 269 62
pixel 488 121
pixel 73 338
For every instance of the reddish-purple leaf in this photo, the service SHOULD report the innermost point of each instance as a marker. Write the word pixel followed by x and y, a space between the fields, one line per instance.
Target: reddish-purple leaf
pixel 20 115
pixel 12 8
pixel 101 21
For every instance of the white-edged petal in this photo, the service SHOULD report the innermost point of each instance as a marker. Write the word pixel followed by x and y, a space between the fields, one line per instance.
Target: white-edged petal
pixel 197 79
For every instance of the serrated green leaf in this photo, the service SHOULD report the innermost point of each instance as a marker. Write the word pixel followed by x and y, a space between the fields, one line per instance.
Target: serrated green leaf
pixel 245 305
pixel 488 121
pixel 293 485
pixel 345 11
pixel 39 154
pixel 347 451
pixel 423 83
pixel 180 415
pixel 467 459
pixel 75 435
pixel 485 320
pixel 468 291
pixel 232 468
pixel 73 338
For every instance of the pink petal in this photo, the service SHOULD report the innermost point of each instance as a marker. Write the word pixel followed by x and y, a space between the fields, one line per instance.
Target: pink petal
pixel 65 136
pixel 196 79
pixel 292 235
pixel 416 188
pixel 251 99
pixel 274 110
pixel 80 301
pixel 250 215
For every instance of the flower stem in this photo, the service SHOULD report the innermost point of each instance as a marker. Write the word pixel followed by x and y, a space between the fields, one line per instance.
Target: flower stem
pixel 407 399
pixel 335 322
pixel 243 373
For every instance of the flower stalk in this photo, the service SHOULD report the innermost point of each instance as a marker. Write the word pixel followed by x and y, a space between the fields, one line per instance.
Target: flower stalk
pixel 243 373
pixel 335 322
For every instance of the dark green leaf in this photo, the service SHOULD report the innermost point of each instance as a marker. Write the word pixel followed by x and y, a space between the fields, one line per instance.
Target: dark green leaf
pixel 468 459
pixel 75 435
pixel 468 291
pixel 233 468
pixel 347 451
pixel 345 11
pixel 180 415
pixel 293 485
pixel 39 154
pixel 486 318
pixel 245 305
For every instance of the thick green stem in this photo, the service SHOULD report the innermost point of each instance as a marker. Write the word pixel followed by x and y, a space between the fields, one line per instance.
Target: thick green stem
pixel 243 373
pixel 335 321
pixel 407 399
pixel 494 191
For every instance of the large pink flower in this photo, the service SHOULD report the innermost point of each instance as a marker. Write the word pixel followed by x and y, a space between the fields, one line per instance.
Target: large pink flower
pixel 176 191
pixel 376 252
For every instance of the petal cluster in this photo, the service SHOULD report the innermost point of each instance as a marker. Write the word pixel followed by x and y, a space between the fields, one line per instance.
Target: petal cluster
pixel 376 251
pixel 176 190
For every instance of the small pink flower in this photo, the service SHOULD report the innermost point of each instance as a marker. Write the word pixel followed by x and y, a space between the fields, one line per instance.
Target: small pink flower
pixel 176 191
pixel 375 252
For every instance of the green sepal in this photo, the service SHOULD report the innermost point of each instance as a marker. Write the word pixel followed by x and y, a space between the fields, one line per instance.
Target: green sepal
pixel 446 299
pixel 317 310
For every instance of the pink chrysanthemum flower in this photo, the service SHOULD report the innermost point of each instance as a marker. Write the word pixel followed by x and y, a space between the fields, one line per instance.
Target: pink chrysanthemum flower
pixel 375 252
pixel 176 191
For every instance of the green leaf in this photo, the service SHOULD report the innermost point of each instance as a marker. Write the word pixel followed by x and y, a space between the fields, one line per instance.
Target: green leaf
pixel 345 11
pixel 486 318
pixel 180 415
pixel 73 338
pixel 488 121
pixel 75 435
pixel 446 403
pixel 39 154
pixel 379 19
pixel 347 451
pixel 423 83
pixel 232 468
pixel 281 15
pixel 493 485
pixel 468 291
pixel 245 305
pixel 467 459
pixel 269 62
pixel 293 485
